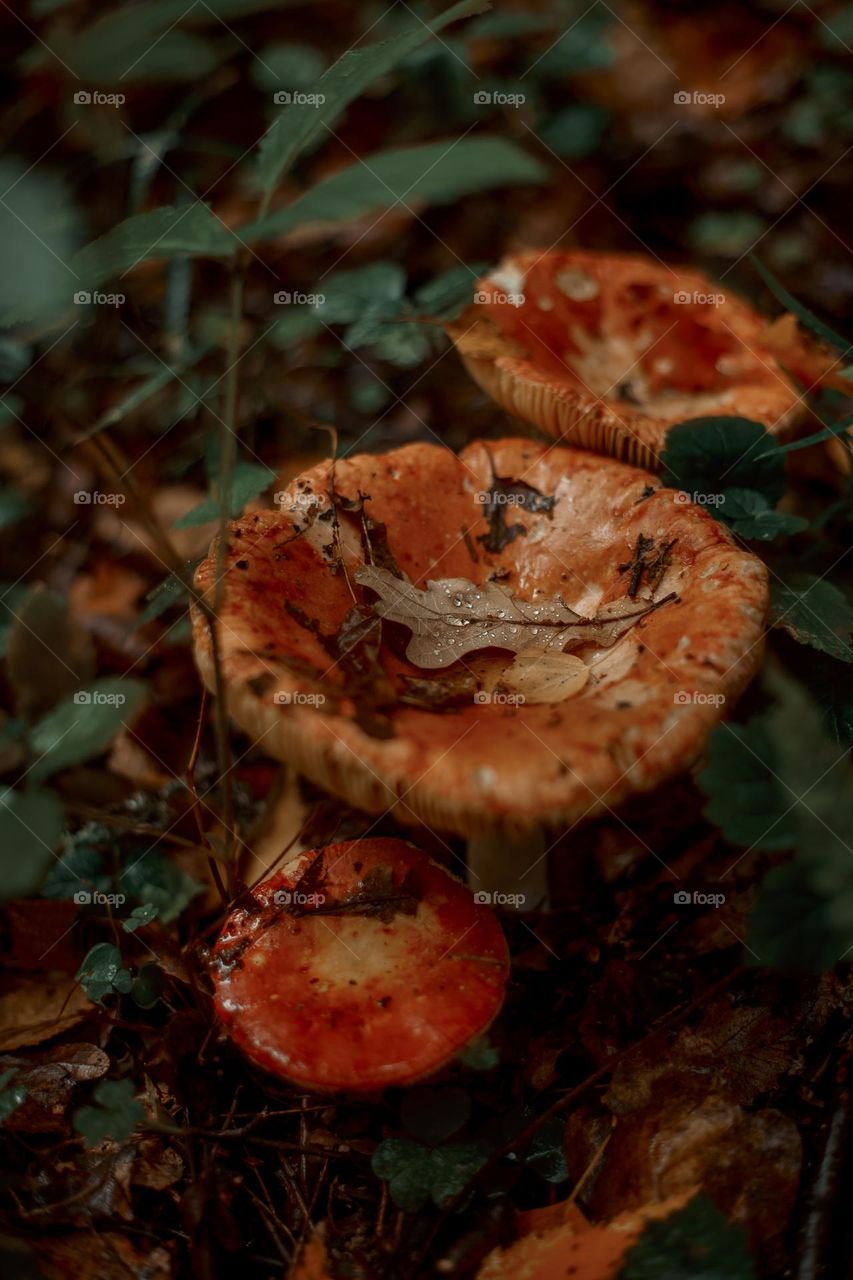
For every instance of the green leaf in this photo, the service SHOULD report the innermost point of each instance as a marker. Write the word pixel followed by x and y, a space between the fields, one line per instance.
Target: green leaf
pixel 160 598
pixel 38 235
pixel 450 293
pixel 707 456
pixel 83 725
pixel 169 232
pixel 101 973
pixel 694 1243
pixel 248 482
pixel 300 123
pixel 746 798
pixel 726 233
pixel 789 924
pixel 575 131
pixel 404 345
pixel 436 172
pixel 751 516
pixel 140 916
pixel 479 1055
pixel 829 432
pixel 288 66
pixel 546 1153
pixel 432 1115
pixel 452 1168
pixel 814 612
pixel 115 1115
pixel 406 1167
pixel 13 507
pixel 375 290
pixel 806 317
pixel 11 1096
pixel 149 986
pixel 153 878
pixel 30 827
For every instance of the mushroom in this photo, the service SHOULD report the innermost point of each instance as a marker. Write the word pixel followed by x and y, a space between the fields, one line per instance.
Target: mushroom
pixel 357 966
pixel 609 350
pixel 314 676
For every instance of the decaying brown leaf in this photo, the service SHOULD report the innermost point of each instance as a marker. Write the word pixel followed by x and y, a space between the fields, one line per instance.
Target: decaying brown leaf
pixel 453 617
pixel 39 1009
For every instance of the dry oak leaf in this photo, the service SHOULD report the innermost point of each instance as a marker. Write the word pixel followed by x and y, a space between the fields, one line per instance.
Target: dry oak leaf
pixel 454 617
pixel 572 1249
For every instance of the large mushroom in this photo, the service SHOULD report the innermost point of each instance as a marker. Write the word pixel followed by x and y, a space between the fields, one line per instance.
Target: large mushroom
pixel 360 965
pixel 609 350
pixel 669 617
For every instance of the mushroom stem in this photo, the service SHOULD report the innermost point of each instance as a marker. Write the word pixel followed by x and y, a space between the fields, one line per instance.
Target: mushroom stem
pixel 511 869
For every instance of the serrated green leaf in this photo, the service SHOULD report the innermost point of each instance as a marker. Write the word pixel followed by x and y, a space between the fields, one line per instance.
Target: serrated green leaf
pixel 746 798
pixel 806 317
pixel 375 290
pixel 248 482
pixel 115 1115
pixel 450 293
pixel 707 456
pixel 172 231
pixel 789 924
pixel 83 725
pixel 814 612
pixel 300 123
pixel 694 1243
pixel 436 172
pixel 751 516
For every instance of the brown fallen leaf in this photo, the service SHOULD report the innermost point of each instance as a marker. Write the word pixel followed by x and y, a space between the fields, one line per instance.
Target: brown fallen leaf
pixel 454 617
pixel 49 1081
pixel 38 1009
pixel 576 1249
pixel 107 1255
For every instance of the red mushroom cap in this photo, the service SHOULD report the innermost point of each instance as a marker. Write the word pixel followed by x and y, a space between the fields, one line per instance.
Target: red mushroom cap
pixel 610 350
pixel 365 964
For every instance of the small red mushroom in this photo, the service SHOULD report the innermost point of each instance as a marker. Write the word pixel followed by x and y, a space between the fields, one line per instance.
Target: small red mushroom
pixel 360 965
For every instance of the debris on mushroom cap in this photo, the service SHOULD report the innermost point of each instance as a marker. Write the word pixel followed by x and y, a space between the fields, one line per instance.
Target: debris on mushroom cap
pixel 610 350
pixel 360 965
pixel 321 681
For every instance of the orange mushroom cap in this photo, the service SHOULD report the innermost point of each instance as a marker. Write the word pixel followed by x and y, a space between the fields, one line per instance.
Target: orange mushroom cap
pixel 293 670
pixel 360 965
pixel 609 350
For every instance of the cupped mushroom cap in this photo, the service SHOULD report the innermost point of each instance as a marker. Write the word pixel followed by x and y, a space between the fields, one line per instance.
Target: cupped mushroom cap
pixel 609 350
pixel 360 965
pixel 467 765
